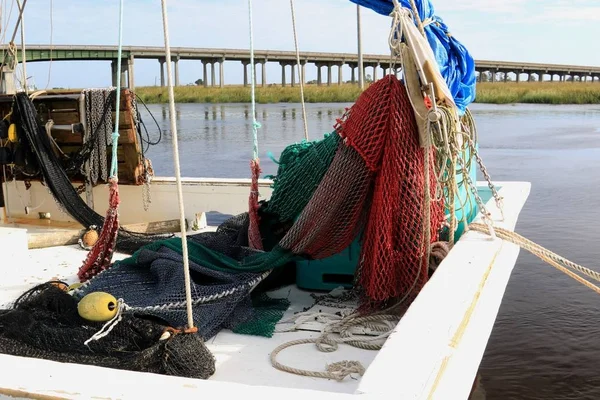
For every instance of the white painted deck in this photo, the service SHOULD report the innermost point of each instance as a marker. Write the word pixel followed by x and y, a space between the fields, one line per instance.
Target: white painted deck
pixel 434 351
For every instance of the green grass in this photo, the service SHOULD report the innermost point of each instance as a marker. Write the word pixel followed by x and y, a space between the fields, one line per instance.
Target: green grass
pixel 496 93
pixel 539 93
pixel 240 94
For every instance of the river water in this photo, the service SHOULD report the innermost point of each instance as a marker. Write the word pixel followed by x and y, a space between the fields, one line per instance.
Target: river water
pixel 545 341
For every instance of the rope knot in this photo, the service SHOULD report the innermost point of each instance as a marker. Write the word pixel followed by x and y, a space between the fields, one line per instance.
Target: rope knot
pixel 341 369
pixel 110 325
pixel 256 125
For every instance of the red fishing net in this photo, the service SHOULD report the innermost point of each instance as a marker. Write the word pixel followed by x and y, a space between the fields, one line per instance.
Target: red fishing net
pixel 254 238
pixel 381 127
pixel 100 256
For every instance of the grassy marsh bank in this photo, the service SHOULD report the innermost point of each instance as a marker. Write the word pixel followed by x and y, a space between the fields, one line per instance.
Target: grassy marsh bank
pixel 495 93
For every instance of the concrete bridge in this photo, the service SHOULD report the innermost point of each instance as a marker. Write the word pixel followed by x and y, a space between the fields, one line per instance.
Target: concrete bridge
pixel 210 57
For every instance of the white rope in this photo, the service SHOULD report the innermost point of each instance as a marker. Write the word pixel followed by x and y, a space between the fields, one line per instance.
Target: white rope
pixel 383 324
pixel 110 325
pixel 23 54
pixel 186 261
pixel 300 72
pixel 51 41
pixel 255 124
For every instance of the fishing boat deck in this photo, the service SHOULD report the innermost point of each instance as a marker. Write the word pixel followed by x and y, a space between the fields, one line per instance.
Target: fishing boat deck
pixel 435 348
pixel 240 358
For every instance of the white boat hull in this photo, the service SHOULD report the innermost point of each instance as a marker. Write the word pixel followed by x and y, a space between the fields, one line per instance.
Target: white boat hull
pixel 434 352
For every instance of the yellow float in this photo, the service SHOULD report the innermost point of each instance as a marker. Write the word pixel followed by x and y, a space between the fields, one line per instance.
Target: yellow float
pixel 98 307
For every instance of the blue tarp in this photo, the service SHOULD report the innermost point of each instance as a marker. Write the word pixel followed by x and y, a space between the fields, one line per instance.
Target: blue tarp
pixel 456 64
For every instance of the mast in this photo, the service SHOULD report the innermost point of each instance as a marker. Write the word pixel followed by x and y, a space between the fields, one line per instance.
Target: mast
pixel 361 78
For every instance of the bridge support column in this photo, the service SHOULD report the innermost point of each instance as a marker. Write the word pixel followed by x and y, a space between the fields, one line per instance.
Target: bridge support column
pixel 245 64
pixel 221 73
pixel 130 73
pixel 162 72
pixel 263 72
pixel 353 75
pixel 518 76
pixel 124 68
pixel 328 74
pixel 176 62
pixel 340 74
pixel 7 81
pixel 282 74
pixel 494 76
pixel 319 78
pixel 213 76
pixel 293 74
pixel 375 67
pixel 204 73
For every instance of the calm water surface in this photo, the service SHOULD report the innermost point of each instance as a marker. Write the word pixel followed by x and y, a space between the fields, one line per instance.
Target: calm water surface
pixel 545 341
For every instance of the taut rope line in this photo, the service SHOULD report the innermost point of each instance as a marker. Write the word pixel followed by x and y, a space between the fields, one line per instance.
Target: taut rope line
pixel 300 71
pixel 186 261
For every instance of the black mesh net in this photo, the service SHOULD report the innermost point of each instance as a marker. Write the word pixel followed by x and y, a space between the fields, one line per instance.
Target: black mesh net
pixel 58 182
pixel 44 323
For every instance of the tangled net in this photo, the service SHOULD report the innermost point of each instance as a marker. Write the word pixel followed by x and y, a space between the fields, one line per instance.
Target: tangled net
pixel 365 180
pixel 44 323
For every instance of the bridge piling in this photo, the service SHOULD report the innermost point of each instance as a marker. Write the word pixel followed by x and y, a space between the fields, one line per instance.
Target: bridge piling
pixel 130 72
pixel 245 65
pixel 263 72
pixel 340 75
pixel 204 72
pixel 161 61
pixel 319 78
pixel 329 74
pixel 176 62
pixel 213 79
pixel 222 73
pixel 124 68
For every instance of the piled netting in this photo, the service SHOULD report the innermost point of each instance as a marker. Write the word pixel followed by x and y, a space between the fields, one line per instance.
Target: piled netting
pixel 394 251
pixel 55 177
pixel 44 323
pixel 365 180
pixel 301 169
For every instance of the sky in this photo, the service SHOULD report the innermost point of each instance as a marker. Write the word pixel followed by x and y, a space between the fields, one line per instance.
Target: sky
pixel 546 31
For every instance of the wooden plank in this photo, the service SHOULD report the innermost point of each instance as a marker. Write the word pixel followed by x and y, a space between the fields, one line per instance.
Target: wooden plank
pixel 63 237
pixel 64 117
pixel 62 136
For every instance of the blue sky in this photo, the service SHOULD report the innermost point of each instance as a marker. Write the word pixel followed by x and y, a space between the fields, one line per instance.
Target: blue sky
pixel 553 31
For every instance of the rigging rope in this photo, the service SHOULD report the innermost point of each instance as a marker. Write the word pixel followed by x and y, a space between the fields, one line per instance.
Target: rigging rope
pixel 300 71
pixel 23 53
pixel 115 136
pixel 254 236
pixel 186 262
pixel 51 41
pixel 255 123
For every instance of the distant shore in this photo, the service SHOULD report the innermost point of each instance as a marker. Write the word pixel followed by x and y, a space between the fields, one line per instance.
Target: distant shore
pixel 492 93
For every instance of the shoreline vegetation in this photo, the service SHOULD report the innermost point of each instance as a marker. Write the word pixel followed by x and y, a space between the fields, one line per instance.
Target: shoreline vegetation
pixel 491 93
